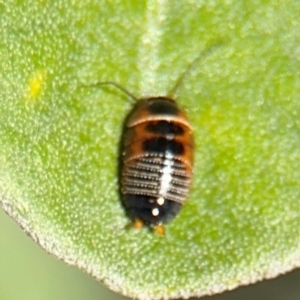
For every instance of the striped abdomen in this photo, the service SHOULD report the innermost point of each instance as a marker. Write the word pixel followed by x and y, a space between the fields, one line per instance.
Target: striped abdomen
pixel 157 162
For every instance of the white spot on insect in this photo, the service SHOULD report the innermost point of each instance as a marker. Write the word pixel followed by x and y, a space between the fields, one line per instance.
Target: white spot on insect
pixel 160 201
pixel 155 211
pixel 166 177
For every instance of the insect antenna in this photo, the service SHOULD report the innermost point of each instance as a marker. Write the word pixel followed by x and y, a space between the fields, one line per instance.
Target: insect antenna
pixel 116 85
pixel 199 59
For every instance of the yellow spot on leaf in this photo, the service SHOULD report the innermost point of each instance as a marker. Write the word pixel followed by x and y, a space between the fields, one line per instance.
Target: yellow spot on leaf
pixel 35 85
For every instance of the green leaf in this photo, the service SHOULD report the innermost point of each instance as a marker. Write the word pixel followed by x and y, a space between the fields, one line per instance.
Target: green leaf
pixel 60 140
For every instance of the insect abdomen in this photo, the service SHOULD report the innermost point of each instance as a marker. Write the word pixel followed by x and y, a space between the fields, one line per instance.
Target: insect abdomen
pixel 158 156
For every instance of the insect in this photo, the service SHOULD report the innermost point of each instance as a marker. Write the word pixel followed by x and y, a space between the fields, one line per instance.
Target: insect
pixel 156 161
pixel 157 158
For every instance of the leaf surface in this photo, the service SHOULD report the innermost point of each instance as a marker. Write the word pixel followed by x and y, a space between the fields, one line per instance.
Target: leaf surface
pixel 60 139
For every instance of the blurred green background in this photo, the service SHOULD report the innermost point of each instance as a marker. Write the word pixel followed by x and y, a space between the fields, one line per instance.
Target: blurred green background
pixel 27 272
